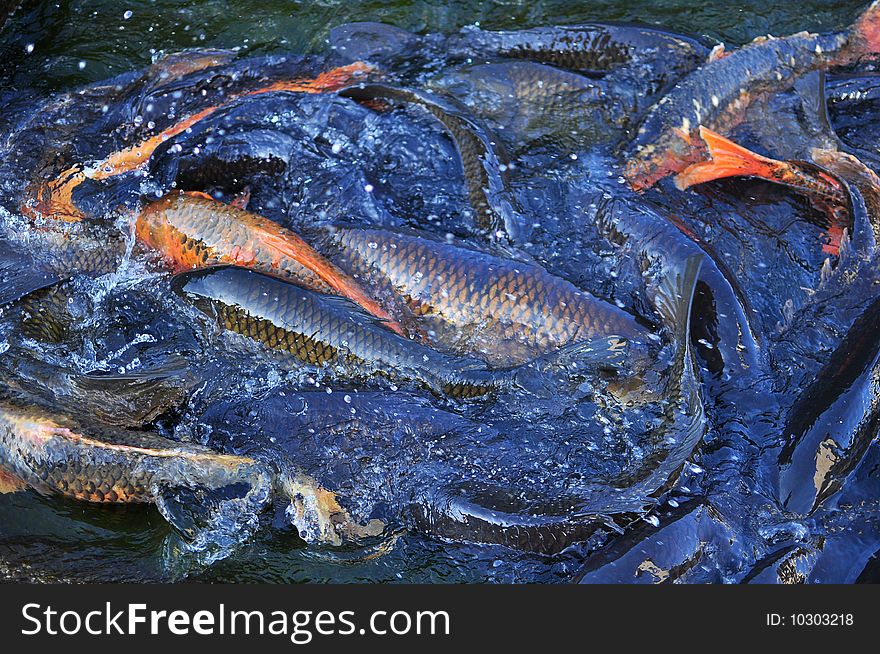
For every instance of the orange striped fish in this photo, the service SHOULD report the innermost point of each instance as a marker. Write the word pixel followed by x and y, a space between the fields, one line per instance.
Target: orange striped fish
pixel 54 199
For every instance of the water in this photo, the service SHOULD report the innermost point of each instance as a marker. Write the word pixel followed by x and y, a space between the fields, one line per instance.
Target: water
pixel 723 520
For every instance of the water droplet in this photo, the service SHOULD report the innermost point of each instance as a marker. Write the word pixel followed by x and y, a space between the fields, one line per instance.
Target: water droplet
pixel 368 188
pixel 81 65
pixel 29 48
pixel 128 14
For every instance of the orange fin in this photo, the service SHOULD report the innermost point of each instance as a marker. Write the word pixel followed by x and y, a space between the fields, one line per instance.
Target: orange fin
pixel 718 52
pixel 727 160
pixel 288 244
pixel 199 194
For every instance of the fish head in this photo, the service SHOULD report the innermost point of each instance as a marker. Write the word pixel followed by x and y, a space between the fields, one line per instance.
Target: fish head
pixel 205 286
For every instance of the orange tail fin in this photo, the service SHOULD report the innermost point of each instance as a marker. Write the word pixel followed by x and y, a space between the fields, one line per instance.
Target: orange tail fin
pixel 55 197
pixel 728 160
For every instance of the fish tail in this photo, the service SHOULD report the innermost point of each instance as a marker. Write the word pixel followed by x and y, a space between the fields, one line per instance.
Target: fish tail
pixel 865 33
pixel 674 295
pixel 727 160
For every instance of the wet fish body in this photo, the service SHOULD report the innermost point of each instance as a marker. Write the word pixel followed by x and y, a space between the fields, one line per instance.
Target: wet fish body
pixel 718 94
pixel 321 329
pixel 55 454
pixel 507 311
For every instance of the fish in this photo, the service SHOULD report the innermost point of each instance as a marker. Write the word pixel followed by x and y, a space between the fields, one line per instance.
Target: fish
pixel 483 158
pixel 55 454
pixel 54 199
pixel 718 94
pixel 593 48
pixel 191 230
pixel 504 311
pixel 527 101
pixel 322 329
pixel 728 159
pixel 854 172
pixel 727 312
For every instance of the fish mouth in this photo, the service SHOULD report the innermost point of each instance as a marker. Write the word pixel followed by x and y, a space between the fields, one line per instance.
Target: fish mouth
pixel 190 283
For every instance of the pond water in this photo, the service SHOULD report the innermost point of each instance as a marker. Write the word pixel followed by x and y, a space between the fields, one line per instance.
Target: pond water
pixel 759 463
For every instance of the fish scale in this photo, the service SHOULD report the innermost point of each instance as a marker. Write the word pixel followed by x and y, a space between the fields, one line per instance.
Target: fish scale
pixel 195 231
pixel 320 329
pixel 53 453
pixel 519 310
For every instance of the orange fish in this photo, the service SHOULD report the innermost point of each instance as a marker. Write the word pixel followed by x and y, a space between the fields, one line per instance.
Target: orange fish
pixel 727 159
pixel 54 199
pixel 193 230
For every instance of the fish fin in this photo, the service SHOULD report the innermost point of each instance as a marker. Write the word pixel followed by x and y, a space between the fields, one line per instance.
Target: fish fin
pixel 727 160
pixel 602 351
pixel 673 296
pixel 292 246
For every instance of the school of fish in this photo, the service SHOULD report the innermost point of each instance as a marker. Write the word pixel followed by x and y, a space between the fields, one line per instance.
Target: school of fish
pixel 450 333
